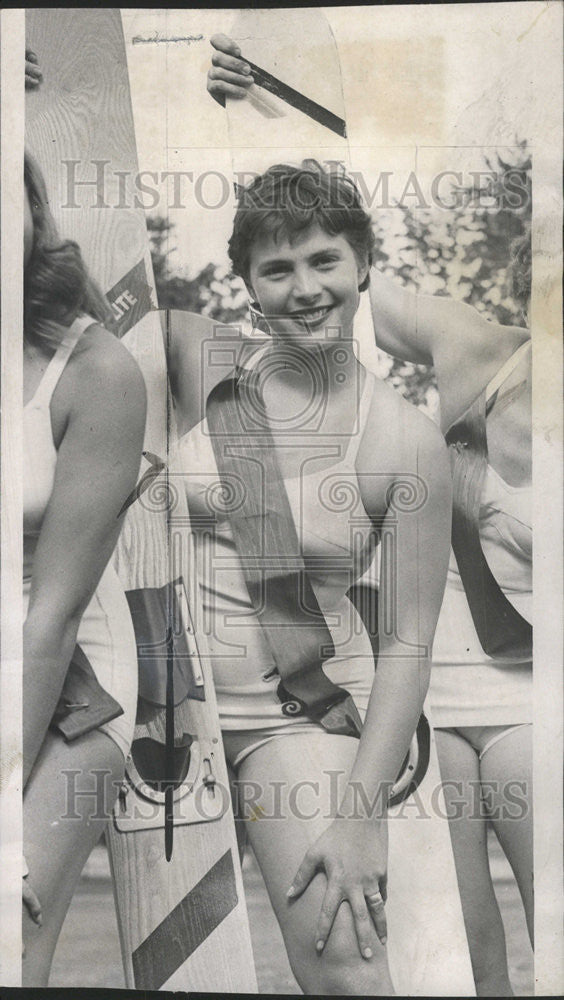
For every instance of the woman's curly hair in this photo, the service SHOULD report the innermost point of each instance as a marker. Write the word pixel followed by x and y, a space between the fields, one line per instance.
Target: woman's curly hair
pixel 57 286
pixel 286 200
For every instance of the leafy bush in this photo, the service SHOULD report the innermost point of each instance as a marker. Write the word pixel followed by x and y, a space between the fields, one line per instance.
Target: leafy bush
pixel 465 253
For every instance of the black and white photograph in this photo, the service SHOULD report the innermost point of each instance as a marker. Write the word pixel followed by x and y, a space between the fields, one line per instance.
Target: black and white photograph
pixel 281 701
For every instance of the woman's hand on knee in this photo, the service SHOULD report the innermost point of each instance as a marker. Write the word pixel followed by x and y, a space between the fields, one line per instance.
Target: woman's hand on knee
pixel 353 855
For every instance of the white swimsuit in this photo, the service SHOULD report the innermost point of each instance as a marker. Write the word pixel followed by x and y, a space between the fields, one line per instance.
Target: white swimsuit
pixel 469 688
pixel 337 543
pixel 105 633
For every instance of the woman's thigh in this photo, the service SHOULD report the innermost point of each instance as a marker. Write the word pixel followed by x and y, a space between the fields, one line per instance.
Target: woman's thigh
pixel 67 802
pixel 506 773
pixel 289 790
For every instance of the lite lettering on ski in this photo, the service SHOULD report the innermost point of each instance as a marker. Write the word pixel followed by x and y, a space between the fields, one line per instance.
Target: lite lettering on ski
pixel 123 303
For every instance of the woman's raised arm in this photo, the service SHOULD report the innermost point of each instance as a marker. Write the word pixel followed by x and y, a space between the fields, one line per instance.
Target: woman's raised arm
pixel 427 329
pixel 431 329
pixel 465 349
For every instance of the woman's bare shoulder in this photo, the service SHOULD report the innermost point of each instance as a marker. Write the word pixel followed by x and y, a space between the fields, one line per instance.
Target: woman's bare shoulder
pixel 102 368
pixel 189 330
pixel 396 430
pixel 464 366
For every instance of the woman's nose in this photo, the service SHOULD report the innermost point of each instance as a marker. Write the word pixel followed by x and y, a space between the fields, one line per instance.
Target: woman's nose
pixel 306 285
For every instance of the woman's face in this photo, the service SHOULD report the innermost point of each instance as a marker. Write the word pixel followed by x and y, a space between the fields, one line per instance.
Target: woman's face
pixel 307 288
pixel 28 228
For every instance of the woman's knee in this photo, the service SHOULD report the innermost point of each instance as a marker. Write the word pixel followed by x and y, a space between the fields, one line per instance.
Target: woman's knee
pixel 340 968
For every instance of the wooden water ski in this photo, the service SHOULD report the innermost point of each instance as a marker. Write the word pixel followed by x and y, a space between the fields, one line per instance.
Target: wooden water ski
pixel 295 110
pixel 183 923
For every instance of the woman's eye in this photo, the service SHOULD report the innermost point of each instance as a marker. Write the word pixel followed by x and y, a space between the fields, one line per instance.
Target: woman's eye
pixel 276 275
pixel 326 262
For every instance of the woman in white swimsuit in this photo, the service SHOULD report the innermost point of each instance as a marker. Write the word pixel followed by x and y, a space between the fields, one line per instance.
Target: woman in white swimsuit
pixel 84 415
pixel 346 447
pixel 482 704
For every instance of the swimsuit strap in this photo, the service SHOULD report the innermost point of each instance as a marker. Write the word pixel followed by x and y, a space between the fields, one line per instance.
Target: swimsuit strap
pixel 506 369
pixel 267 543
pixel 364 405
pixel 44 392
pixel 502 631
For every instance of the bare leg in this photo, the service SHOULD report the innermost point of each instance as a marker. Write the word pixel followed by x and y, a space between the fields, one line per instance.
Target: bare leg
pixel 459 766
pixel 64 816
pixel 240 826
pixel 301 763
pixel 506 769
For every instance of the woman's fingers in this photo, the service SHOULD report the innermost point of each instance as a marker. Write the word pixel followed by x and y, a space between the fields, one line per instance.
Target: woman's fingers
pixel 223 83
pixel 377 910
pixel 219 87
pixel 331 902
pixel 362 909
pixel 237 66
pixel 219 91
pixel 362 923
pixel 384 887
pixel 33 75
pixel 31 902
pixel 219 76
pixel 225 44
pixel 229 75
pixel 304 874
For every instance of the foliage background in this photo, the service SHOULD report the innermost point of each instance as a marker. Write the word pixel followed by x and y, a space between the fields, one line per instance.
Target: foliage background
pixel 477 251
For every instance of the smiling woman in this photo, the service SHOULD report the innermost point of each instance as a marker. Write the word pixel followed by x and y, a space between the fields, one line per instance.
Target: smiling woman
pixel 291 487
pixel 306 257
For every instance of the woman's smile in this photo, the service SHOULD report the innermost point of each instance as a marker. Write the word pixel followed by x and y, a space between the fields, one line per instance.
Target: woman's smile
pixel 312 318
